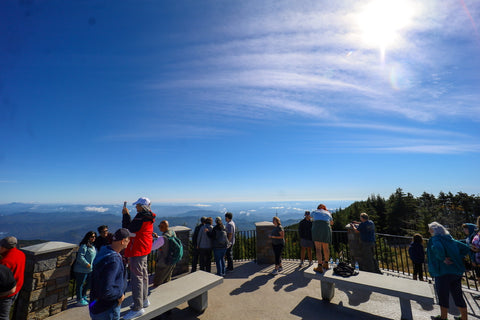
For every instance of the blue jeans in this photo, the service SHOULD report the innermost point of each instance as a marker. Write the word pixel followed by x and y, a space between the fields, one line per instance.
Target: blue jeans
pixel 82 284
pixel 219 255
pixel 111 314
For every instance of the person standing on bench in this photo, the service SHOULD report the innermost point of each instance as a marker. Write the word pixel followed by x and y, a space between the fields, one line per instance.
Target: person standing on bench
pixel 137 251
pixel 322 235
pixel 366 228
pixel 445 265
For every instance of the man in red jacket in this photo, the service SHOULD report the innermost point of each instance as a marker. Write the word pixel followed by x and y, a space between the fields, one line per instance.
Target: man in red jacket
pixel 137 251
pixel 14 259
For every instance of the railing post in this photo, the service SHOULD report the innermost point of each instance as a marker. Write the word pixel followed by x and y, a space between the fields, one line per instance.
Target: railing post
pixel 183 233
pixel 47 275
pixel 264 243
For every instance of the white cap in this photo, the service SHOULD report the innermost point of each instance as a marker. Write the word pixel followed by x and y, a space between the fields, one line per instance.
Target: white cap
pixel 142 201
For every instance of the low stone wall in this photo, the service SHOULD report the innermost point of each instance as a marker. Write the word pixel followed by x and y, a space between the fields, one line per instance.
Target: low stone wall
pixel 47 274
pixel 265 253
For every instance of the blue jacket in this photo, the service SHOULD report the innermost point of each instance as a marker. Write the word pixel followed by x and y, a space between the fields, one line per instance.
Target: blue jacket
pixel 443 246
pixel 85 257
pixel 108 280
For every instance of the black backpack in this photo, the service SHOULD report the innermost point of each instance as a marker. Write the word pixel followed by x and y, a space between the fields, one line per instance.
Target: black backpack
pixel 344 270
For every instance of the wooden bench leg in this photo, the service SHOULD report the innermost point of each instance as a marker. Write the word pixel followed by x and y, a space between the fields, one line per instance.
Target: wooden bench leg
pixel 328 290
pixel 199 303
pixel 406 309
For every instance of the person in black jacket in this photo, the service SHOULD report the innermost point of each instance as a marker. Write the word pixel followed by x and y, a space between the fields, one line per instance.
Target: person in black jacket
pixel 306 242
pixel 194 244
pixel 219 244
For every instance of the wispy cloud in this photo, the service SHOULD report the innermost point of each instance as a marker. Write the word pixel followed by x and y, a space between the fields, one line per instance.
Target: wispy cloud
pixel 96 209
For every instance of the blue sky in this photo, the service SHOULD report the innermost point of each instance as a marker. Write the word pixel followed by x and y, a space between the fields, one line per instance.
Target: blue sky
pixel 203 101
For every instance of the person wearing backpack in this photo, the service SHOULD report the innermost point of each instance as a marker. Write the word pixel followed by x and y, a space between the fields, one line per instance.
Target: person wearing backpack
pixel 168 256
pixel 220 244
pixel 204 245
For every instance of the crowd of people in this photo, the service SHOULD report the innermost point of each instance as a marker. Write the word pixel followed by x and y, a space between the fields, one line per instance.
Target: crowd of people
pixel 102 261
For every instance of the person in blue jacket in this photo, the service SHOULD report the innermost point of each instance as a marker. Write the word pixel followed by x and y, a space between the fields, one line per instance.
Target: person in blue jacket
pixel 109 279
pixel 83 267
pixel 445 264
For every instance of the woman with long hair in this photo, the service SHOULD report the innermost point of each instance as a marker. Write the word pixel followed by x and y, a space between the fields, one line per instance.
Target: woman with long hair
pixel 83 267
pixel 278 242
pixel 322 235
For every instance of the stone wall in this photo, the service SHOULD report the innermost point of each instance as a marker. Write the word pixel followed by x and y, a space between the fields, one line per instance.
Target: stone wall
pixel 264 243
pixel 47 274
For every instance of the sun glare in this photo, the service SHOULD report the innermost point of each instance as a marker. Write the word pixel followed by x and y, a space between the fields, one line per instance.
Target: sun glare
pixel 382 20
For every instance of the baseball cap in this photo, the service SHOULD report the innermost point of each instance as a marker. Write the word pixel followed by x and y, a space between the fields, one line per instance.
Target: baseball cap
pixel 8 242
pixel 142 201
pixel 121 234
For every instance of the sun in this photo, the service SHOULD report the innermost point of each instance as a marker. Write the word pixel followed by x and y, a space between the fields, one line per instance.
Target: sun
pixel 381 22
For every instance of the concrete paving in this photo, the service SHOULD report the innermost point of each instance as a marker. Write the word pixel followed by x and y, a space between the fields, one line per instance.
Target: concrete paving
pixel 251 292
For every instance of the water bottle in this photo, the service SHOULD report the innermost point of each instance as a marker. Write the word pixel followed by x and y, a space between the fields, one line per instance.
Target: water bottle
pixel 356 266
pixel 336 262
pixel 330 263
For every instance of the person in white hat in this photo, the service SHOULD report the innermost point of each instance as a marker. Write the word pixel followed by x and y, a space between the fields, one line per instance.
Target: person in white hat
pixel 137 251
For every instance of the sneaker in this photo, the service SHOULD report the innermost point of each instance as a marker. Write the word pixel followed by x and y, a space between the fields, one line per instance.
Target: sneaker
pixel 132 314
pixel 82 303
pixel 318 269
pixel 146 303
pixel 325 266
pixel 274 272
pixel 310 263
pixel 280 269
pixel 437 318
pixel 476 297
pixel 301 264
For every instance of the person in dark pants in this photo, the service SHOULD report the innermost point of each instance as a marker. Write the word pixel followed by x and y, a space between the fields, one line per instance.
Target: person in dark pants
pixel 231 228
pixel 278 243
pixel 445 265
pixel 195 251
pixel 416 251
pixel 305 234
pixel 204 244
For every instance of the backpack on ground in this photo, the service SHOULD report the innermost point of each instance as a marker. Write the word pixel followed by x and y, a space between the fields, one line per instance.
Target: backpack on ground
pixel 344 270
pixel 175 250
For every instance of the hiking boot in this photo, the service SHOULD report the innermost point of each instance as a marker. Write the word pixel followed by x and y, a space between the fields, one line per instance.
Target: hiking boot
pixel 132 314
pixel 325 265
pixel 318 269
pixel 310 263
pixel 301 263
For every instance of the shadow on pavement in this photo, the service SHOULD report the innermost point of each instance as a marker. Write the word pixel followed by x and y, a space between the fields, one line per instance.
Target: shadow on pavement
pixel 312 308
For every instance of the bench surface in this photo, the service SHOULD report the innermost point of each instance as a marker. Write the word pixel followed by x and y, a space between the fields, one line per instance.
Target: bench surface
pixel 171 294
pixel 392 286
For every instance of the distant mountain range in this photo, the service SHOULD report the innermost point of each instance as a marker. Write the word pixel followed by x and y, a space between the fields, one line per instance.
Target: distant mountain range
pixel 69 222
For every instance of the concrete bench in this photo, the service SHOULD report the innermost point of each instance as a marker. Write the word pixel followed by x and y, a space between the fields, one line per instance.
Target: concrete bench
pixel 192 288
pixel 404 289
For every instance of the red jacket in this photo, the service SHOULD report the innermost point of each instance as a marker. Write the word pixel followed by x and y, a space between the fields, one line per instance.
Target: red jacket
pixel 14 259
pixel 142 226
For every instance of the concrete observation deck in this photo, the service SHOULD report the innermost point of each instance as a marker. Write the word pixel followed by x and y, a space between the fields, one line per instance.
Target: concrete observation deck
pixel 251 292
